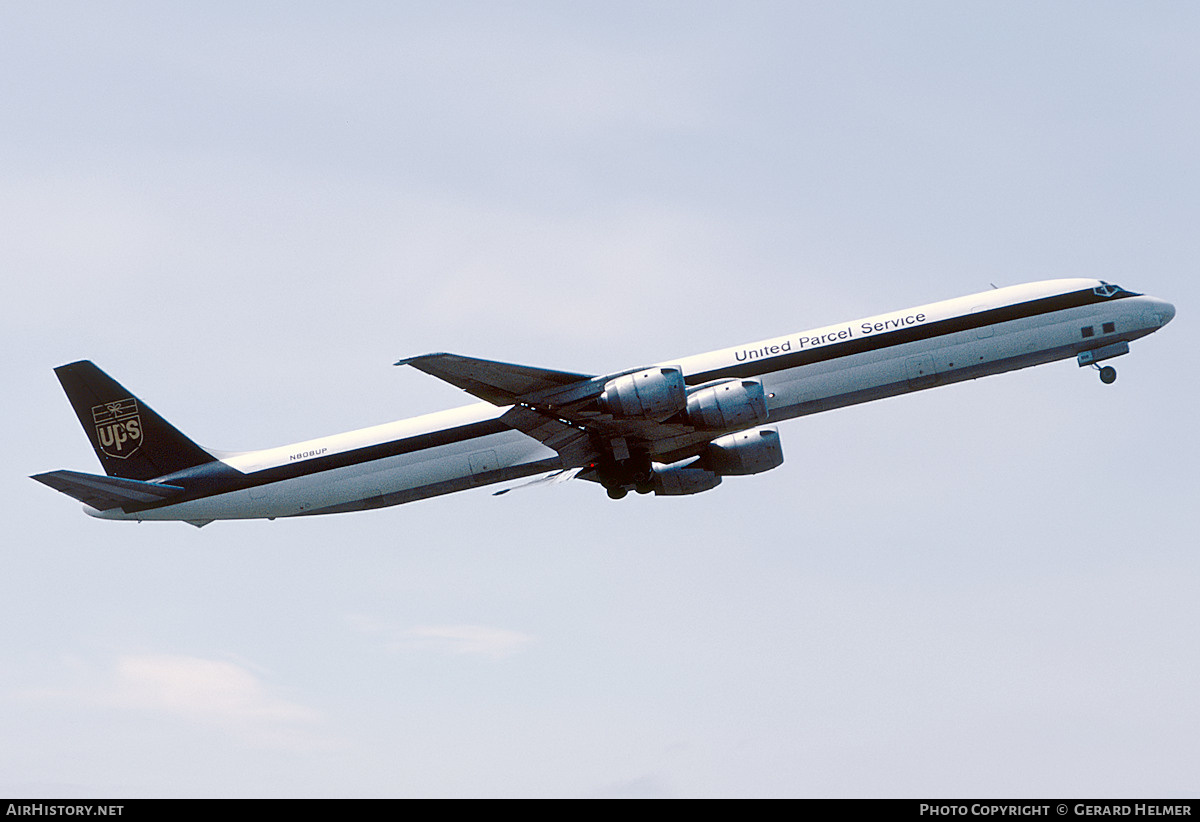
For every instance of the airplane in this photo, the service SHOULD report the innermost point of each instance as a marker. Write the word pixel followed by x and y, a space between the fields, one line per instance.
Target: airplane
pixel 671 429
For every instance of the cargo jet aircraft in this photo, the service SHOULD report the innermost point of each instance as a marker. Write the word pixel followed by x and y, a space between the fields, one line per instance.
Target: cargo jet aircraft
pixel 671 429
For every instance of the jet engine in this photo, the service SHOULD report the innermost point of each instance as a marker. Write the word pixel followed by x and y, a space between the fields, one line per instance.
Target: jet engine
pixel 653 394
pixel 745 452
pixel 682 478
pixel 732 404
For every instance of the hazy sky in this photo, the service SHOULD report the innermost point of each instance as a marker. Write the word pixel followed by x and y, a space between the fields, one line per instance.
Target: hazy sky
pixel 246 212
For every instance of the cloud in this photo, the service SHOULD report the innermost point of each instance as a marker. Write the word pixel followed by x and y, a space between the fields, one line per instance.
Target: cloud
pixel 452 640
pixel 643 787
pixel 477 640
pixel 205 689
pixel 204 692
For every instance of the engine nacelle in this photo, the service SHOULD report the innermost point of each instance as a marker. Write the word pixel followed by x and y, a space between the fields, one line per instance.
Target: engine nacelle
pixel 653 394
pixel 745 452
pixel 680 479
pixel 733 404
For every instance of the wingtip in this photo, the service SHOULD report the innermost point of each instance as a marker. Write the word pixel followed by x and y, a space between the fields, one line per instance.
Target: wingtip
pixel 411 360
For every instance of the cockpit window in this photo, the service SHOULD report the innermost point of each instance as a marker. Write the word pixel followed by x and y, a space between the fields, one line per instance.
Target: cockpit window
pixel 1110 291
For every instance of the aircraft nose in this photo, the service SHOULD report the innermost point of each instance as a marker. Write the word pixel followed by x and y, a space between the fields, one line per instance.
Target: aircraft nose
pixel 1165 312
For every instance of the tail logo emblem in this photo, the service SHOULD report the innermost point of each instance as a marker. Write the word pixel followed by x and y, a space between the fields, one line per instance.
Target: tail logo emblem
pixel 118 427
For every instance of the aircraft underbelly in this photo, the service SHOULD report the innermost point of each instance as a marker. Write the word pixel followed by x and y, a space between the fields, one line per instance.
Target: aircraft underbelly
pixel 873 375
pixel 429 472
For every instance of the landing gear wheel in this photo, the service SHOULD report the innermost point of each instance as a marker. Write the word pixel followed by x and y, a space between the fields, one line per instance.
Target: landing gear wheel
pixel 618 492
pixel 1108 375
pixel 644 486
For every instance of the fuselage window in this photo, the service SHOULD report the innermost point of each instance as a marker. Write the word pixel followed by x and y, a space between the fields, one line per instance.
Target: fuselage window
pixel 1087 331
pixel 1109 328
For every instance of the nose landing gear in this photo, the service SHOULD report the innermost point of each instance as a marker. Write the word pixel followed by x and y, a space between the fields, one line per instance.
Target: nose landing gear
pixel 1108 374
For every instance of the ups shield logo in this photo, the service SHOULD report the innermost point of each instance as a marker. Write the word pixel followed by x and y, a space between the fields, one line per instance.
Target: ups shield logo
pixel 118 427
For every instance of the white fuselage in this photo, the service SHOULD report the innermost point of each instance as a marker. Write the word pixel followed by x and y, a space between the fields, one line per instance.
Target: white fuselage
pixel 802 373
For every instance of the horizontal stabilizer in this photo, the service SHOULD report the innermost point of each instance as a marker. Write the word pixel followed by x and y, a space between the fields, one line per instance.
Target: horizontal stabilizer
pixel 103 493
pixel 499 383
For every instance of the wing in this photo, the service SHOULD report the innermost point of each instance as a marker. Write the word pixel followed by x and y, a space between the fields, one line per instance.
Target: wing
pixel 104 493
pixel 500 383
pixel 558 408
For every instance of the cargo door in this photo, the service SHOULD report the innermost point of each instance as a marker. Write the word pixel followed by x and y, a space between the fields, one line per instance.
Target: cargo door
pixel 483 463
pixel 920 371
